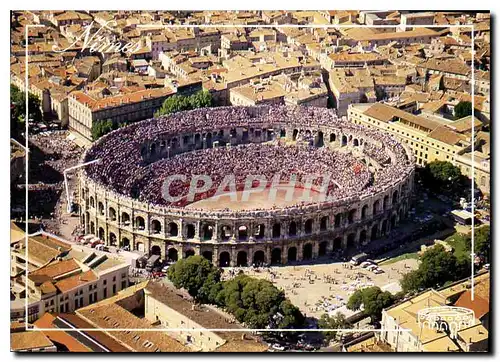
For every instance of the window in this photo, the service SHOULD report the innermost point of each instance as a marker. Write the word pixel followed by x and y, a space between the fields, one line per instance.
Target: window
pixel 114 288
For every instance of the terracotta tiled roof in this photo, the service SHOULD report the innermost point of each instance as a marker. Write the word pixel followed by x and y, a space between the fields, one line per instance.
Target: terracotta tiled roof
pixel 57 268
pixel 74 281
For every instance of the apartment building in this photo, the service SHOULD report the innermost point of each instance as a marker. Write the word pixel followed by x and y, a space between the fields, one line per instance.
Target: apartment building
pixel 61 277
pixel 85 109
pixel 404 332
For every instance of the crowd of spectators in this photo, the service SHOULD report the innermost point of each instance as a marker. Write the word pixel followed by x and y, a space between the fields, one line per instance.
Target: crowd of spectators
pixel 127 167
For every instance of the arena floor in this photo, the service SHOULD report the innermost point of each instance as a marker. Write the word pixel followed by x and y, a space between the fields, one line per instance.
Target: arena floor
pixel 259 200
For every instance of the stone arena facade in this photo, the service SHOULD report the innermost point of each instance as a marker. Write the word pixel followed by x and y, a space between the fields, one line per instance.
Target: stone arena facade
pixel 230 238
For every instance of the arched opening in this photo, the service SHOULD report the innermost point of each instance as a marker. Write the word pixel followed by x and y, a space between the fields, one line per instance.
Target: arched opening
pixel 101 234
pixel 351 216
pixel 259 231
pixel 318 142
pixel 374 232
pixel 307 251
pixel 112 214
pixel 393 221
pixel 172 254
pixel 190 231
pixel 386 202
pixel 156 226
pixel 207 254
pixel 338 220
pixel 91 201
pixel 364 211
pixel 362 237
pixel 282 133
pixel 322 248
pixel 188 253
pixel 308 226
pixel 292 229
pixel 173 229
pixel 155 250
pixel 276 230
pixel 294 135
pixel 125 219
pixel 355 142
pixel 337 243
pixel 92 227
pixel 112 239
pixel 139 223
pixel 383 230
pixel 224 259
pixel 225 232
pixel 208 140
pixel 351 240
pixel 100 208
pixel 292 254
pixel 153 149
pixel 344 140
pixel 376 207
pixel 139 247
pixel 276 256
pixel 323 224
pixel 125 243
pixel 333 137
pixel 259 258
pixel 241 259
pixel 208 232
pixel 242 233
pixel 395 197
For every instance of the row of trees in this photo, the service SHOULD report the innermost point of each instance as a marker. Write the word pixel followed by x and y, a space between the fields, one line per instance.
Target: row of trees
pixel 100 128
pixel 255 302
pixel 177 103
pixel 18 110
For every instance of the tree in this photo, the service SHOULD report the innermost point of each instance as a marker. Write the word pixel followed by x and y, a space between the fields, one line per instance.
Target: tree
pixel 463 109
pixel 441 176
pixel 192 273
pixel 338 321
pixel 100 128
pixel 437 267
pixel 373 300
pixel 258 303
pixel 18 109
pixel 178 103
pixel 482 242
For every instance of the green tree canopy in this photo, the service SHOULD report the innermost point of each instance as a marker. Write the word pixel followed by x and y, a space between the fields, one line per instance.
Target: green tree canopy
pixel 463 109
pixel 192 273
pixel 100 128
pixel 18 109
pixel 437 267
pixel 443 176
pixel 338 321
pixel 258 303
pixel 373 300
pixel 177 103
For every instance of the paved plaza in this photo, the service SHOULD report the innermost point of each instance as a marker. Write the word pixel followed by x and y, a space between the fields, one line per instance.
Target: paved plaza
pixel 324 288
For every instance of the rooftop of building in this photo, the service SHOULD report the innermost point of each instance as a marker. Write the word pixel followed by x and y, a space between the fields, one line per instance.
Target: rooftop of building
pixel 29 340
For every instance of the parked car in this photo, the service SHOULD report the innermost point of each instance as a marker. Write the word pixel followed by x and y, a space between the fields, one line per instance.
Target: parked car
pixel 365 264
pixel 278 347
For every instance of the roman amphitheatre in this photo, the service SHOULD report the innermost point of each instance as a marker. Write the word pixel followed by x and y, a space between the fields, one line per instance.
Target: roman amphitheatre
pixel 326 185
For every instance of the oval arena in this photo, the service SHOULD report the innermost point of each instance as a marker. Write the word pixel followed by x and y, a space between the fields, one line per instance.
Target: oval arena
pixel 366 193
